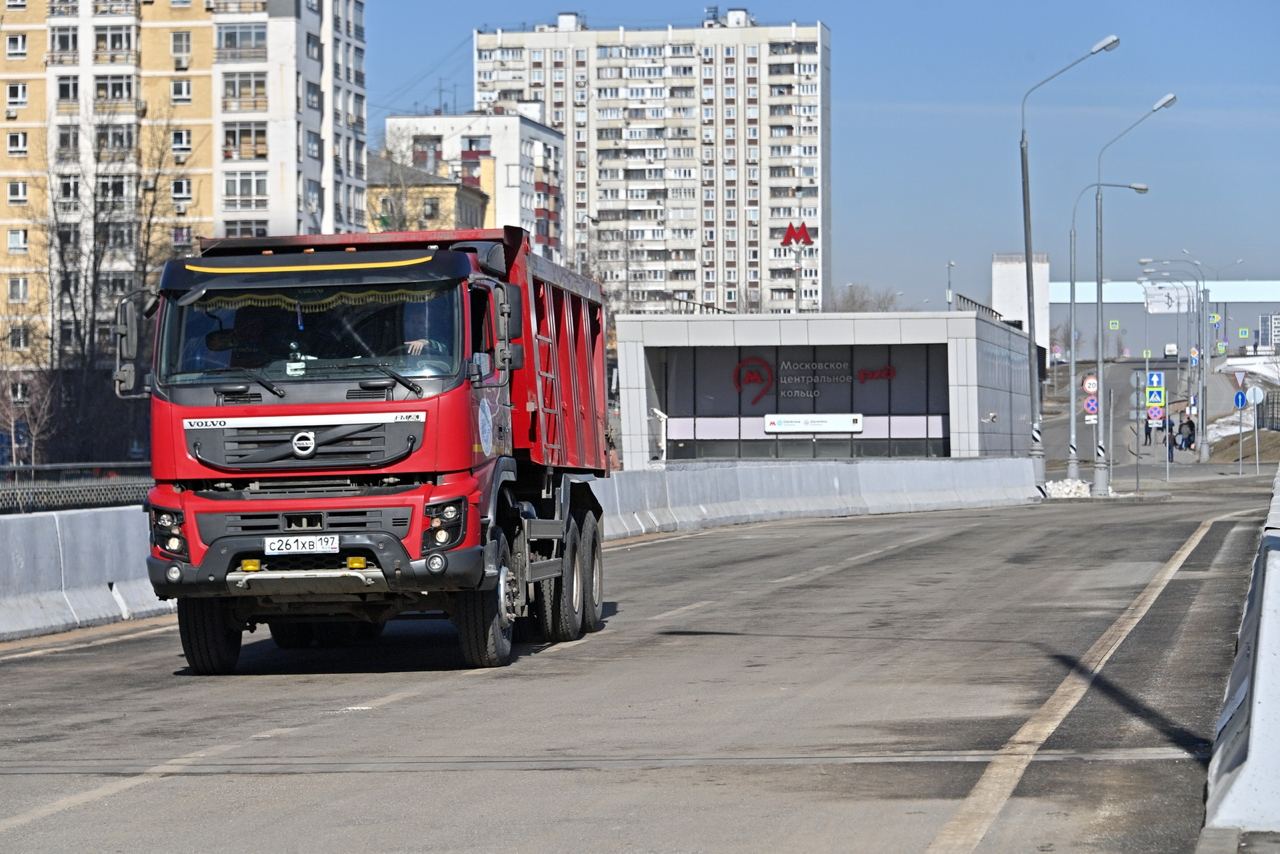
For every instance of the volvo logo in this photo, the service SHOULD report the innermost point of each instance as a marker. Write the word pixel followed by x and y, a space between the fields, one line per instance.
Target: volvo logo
pixel 304 444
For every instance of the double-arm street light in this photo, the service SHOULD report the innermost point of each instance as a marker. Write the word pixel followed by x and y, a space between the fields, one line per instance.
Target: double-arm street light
pixel 1102 463
pixel 1073 455
pixel 1037 447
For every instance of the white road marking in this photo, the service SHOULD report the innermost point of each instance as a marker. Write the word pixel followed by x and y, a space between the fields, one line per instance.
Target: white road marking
pixel 640 545
pixel 682 610
pixel 106 790
pixel 50 650
pixel 826 569
pixel 971 821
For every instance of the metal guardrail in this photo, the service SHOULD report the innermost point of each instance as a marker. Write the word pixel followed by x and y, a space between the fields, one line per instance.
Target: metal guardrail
pixel 1269 412
pixel 964 303
pixel 65 486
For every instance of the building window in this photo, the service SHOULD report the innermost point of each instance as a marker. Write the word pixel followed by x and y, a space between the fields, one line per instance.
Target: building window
pixel 181 189
pixel 180 4
pixel 180 43
pixel 68 88
pixel 18 289
pixel 17 192
pixel 19 337
pixel 15 4
pixel 242 42
pixel 246 228
pixel 244 91
pixel 63 41
pixel 112 44
pixel 115 87
pixel 18 241
pixel 181 235
pixel 245 141
pixel 16 94
pixel 243 191
pixel 314 49
pixel 180 90
pixel 180 141
pixel 313 145
pixel 315 98
pixel 15 47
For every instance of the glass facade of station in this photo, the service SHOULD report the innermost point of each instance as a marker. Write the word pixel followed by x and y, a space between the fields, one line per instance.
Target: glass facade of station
pixel 715 400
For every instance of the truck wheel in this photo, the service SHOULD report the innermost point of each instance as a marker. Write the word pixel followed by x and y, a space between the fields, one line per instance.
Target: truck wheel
pixel 561 612
pixel 591 563
pixel 289 635
pixel 484 619
pixel 210 635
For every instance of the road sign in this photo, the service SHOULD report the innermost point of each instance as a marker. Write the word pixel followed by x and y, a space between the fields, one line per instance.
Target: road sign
pixel 1146 354
pixel 1255 395
pixel 1155 413
pixel 1222 347
pixel 1214 317
pixel 1091 405
pixel 1240 375
pixel 1090 384
pixel 1091 419
pixel 1155 379
pixel 1194 351
pixel 1244 333
pixel 1155 397
pixel 1195 360
pixel 1113 325
pixel 1241 400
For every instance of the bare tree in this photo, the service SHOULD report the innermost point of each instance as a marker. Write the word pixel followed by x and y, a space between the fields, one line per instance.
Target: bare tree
pixel 863 297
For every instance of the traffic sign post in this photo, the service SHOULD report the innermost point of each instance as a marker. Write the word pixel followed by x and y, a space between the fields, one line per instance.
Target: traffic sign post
pixel 1241 401
pixel 1255 397
pixel 1091 406
pixel 1090 384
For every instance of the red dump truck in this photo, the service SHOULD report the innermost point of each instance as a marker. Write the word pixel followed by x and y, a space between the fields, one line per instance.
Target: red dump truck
pixel 345 428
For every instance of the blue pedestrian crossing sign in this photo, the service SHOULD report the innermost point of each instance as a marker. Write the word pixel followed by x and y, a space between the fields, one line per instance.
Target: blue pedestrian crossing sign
pixel 1155 379
pixel 1241 400
pixel 1155 397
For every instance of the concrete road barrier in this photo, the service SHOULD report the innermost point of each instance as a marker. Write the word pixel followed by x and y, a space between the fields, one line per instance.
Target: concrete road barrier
pixel 75 568
pixel 1244 773
pixel 702 495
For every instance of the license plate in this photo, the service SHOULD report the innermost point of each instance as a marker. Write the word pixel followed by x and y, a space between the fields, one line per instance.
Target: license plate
pixel 314 544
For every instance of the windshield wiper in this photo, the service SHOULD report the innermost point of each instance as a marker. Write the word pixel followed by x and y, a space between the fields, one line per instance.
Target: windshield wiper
pixel 383 368
pixel 252 374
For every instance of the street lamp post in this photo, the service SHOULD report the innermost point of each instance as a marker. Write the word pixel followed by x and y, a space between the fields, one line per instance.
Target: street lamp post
pixel 1102 463
pixel 1037 447
pixel 1073 455
pixel 950 265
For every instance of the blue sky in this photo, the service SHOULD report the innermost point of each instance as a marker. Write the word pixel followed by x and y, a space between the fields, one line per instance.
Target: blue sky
pixel 925 123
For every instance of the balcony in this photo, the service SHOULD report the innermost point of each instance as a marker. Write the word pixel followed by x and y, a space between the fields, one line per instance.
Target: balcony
pixel 245 105
pixel 245 203
pixel 67 206
pixel 119 106
pixel 66 155
pixel 357 217
pixel 236 7
pixel 245 151
pixel 64 8
pixel 241 54
pixel 116 155
pixel 115 57
pixel 68 107
pixel 62 57
pixel 113 7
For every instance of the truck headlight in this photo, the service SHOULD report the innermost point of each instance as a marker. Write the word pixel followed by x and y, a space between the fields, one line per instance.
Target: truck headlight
pixel 166 532
pixel 446 524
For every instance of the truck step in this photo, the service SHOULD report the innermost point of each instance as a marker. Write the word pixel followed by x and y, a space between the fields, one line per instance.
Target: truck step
pixel 541 570
pixel 544 529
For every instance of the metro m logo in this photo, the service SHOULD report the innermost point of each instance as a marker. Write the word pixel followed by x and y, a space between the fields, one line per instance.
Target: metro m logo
pixel 797 235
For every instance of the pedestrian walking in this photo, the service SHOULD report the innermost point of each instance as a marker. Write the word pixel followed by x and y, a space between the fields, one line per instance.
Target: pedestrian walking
pixel 1147 433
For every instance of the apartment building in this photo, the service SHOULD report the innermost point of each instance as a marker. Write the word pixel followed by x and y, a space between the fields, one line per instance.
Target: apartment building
pixel 700 156
pixel 518 162
pixel 132 127
pixel 405 198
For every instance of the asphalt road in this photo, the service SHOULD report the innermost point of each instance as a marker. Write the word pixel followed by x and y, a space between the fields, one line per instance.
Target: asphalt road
pixel 1037 678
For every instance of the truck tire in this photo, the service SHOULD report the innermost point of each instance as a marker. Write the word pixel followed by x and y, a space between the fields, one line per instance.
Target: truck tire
pixel 481 616
pixel 591 561
pixel 332 635
pixel 290 635
pixel 210 636
pixel 561 613
pixel 370 631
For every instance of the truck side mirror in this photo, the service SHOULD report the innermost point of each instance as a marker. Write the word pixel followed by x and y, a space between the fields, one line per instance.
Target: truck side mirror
pixel 126 333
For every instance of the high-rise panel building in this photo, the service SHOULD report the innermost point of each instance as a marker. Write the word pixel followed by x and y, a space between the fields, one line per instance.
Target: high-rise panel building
pixel 699 156
pixel 132 127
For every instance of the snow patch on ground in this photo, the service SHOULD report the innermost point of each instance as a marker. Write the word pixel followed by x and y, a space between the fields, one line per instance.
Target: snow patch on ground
pixel 1067 489
pixel 1264 369
pixel 1229 426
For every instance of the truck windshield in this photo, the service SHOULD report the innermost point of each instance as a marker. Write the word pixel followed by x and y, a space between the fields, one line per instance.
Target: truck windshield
pixel 297 333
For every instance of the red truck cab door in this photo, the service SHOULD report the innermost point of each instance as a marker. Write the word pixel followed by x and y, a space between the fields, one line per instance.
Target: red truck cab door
pixel 490 394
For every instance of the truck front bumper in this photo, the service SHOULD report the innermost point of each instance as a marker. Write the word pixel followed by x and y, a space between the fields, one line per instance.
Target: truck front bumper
pixel 389 570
